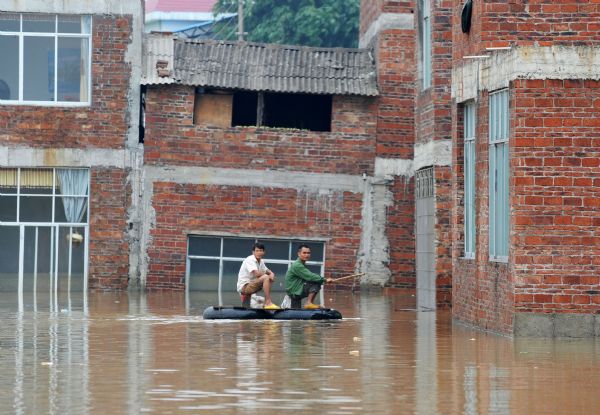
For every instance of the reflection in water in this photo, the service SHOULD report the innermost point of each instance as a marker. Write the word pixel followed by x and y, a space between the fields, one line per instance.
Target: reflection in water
pixel 131 354
pixel 426 363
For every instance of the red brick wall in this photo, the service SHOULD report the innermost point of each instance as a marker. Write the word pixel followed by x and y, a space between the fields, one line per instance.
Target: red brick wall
pixel 520 22
pixel 110 196
pixel 371 9
pixel 104 123
pixel 556 200
pixel 184 209
pixel 432 123
pixel 396 76
pixel 172 138
pixel 400 233
pixel 443 242
pixel 482 291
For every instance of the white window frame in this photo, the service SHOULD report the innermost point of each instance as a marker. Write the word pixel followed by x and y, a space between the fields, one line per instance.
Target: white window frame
pixel 21 35
pixel 499 167
pixel 426 44
pixel 469 134
pixel 54 226
pixel 292 256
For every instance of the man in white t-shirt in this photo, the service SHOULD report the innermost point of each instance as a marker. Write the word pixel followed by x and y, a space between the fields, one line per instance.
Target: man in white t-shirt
pixel 255 276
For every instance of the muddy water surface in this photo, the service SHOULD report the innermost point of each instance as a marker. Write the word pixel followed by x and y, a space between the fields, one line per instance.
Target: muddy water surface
pixel 132 354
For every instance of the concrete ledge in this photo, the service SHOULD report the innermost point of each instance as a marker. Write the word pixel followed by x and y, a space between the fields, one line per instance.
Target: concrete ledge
pixel 533 325
pixel 556 325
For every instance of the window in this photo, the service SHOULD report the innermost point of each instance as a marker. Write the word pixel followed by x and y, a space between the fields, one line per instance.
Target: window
pixel 43 229
pixel 469 179
pixel 498 175
pixel 425 28
pixel 213 262
pixel 45 59
pixel 276 110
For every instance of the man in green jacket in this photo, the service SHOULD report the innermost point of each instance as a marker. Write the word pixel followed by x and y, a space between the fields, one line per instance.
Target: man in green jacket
pixel 301 283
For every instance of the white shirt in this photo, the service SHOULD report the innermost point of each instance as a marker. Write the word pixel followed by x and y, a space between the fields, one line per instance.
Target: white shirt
pixel 245 275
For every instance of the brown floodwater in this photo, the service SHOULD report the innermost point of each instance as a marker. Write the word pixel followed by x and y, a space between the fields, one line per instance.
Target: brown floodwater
pixel 120 353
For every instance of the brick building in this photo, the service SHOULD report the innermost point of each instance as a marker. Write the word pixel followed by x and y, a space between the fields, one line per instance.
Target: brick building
pixel 526 172
pixel 69 151
pixel 247 141
pixel 412 46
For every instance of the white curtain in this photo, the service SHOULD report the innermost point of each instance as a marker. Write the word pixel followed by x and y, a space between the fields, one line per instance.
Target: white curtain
pixel 73 182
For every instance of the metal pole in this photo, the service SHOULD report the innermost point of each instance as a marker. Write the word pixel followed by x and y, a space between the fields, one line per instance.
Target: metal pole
pixel 240 19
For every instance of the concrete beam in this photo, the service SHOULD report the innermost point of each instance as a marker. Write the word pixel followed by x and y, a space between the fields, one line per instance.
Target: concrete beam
pixel 64 157
pixel 387 21
pixel 257 178
pixel 523 62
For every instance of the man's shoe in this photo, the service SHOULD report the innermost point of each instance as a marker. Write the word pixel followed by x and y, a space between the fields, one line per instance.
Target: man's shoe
pixel 272 307
pixel 311 306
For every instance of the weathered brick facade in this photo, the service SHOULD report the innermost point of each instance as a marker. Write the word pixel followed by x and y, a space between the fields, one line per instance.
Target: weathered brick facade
pixel 99 136
pixel 552 266
pixel 193 206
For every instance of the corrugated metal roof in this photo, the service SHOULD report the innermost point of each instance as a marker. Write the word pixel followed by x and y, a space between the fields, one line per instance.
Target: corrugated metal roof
pixel 271 67
pixel 157 49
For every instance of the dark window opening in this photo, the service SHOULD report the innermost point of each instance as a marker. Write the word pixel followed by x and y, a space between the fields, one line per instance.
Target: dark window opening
pixel 306 112
pixel 244 109
pixel 301 111
pixel 142 120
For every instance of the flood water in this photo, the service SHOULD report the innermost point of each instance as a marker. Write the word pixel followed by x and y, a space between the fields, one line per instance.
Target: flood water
pixel 120 353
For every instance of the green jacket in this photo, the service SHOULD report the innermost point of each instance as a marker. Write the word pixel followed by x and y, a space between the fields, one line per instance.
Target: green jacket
pixel 296 275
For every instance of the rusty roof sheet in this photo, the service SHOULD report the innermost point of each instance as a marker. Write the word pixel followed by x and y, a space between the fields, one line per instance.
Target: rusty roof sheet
pixel 277 68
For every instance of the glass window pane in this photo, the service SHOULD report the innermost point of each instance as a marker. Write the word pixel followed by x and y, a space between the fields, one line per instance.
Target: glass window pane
pixel 8 208
pixel 204 275
pixel 37 274
pixel 9 68
pixel 9 258
pixel 69 240
pixel 70 209
pixel 38 68
pixel 35 209
pixel 71 69
pixel 316 250
pixel 237 247
pixel 314 268
pixel 276 249
pixel 70 24
pixel 230 275
pixel 279 270
pixel 41 23
pixel 10 22
pixel 204 246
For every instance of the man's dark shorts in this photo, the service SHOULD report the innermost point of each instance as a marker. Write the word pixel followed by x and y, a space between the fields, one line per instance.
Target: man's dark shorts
pixel 308 287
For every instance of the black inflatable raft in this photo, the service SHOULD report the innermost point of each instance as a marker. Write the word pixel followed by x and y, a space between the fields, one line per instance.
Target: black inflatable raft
pixel 241 313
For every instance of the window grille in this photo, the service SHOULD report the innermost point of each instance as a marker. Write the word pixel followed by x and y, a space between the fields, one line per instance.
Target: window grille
pixel 424 183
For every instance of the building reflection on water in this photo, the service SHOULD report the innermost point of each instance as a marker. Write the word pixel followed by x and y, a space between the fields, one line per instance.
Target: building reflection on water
pixel 130 353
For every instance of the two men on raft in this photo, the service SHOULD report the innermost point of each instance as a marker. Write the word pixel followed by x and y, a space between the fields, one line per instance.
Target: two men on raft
pixel 300 282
